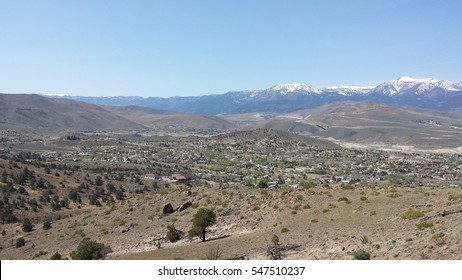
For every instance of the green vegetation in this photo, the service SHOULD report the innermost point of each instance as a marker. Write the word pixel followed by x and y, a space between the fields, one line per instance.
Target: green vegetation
pixel 275 239
pixel 20 242
pixel 284 230
pixel 361 255
pixel 27 225
pixel 46 225
pixel 439 239
pixel 412 214
pixel 173 234
pixel 39 254
pixel 262 184
pixel 424 224
pixel 56 256
pixel 90 250
pixel 364 239
pixel 203 219
pixel 306 184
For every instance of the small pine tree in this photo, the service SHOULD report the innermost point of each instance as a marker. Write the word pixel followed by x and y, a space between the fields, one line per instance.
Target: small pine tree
pixel 20 242
pixel 27 225
pixel 173 234
pixel 46 225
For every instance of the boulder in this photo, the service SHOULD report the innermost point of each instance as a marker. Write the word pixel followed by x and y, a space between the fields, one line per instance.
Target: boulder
pixel 185 206
pixel 168 209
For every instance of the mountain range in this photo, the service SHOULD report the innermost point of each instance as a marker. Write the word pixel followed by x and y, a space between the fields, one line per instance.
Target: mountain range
pixel 427 93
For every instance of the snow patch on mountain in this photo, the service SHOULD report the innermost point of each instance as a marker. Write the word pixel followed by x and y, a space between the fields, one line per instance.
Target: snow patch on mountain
pixel 417 86
pixel 293 87
pixel 348 90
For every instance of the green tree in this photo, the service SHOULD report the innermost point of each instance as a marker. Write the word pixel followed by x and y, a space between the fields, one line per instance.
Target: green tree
pixel 173 234
pixel 20 242
pixel 6 215
pixel 263 184
pixel 90 250
pixel 27 225
pixel 204 218
pixel 46 225
pixel 99 181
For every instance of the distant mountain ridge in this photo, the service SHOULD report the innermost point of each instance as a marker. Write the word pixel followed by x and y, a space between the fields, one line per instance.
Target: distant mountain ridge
pixel 427 93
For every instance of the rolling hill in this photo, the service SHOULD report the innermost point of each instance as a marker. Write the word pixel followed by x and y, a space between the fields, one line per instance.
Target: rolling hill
pixel 169 120
pixel 365 123
pixel 38 114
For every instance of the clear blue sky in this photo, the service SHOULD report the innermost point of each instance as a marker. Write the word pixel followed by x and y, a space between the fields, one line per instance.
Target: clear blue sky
pixel 172 47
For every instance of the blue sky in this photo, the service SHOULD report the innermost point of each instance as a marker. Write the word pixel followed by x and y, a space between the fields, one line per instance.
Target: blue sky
pixel 167 48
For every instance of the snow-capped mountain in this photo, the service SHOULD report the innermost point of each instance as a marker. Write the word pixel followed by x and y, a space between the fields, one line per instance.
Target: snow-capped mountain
pixel 416 86
pixel 406 91
pixel 296 87
pixel 348 90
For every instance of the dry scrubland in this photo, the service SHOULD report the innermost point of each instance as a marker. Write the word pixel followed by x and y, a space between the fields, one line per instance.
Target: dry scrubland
pixel 320 200
pixel 326 223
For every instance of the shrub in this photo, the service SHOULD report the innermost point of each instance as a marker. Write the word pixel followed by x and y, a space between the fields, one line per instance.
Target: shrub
pixel 173 234
pixel 56 256
pixel 27 225
pixel 90 250
pixel 275 239
pixel 412 214
pixel 306 184
pixel 46 225
pixel 424 224
pixel 20 242
pixel 314 221
pixel 364 239
pixel 263 184
pixel 394 195
pixel 256 208
pixel 348 187
pixel 343 198
pixel 215 253
pixel 439 239
pixel 284 230
pixel 40 253
pixel 361 255
pixel 363 198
